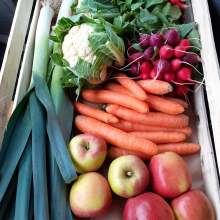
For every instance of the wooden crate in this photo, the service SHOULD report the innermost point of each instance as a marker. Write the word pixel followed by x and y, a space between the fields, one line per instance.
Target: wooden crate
pixel 211 68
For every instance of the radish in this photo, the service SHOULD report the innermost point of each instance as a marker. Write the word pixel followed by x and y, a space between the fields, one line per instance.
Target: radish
pixel 148 54
pixel 160 35
pixel 135 69
pixel 156 41
pixel 182 6
pixel 172 37
pixel 179 51
pixel 169 77
pixel 184 42
pixel 163 65
pixel 190 69
pixel 146 67
pixel 166 52
pixel 136 58
pixel 190 58
pixel 178 82
pixel 156 59
pixel 173 2
pixel 182 90
pixel 154 74
pixel 143 76
pixel 131 49
pixel 184 74
pixel 175 64
pixel 171 94
pixel 144 41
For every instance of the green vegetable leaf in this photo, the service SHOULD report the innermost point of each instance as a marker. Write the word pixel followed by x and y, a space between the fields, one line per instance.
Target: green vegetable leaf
pixel 156 52
pixel 138 47
pixel 162 18
pixel 175 12
pixel 194 42
pixel 196 75
pixel 136 6
pixel 184 29
pixel 166 9
pixel 128 3
pixel 73 6
pixel 150 3
pixel 146 16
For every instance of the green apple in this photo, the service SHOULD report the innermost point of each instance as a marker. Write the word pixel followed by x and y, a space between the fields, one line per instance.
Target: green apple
pixel 88 152
pixel 128 176
pixel 90 196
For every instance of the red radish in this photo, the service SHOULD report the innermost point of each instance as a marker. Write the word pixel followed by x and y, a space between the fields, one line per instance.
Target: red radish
pixel 182 6
pixel 144 41
pixel 184 74
pixel 166 52
pixel 178 82
pixel 171 94
pixel 179 51
pixel 156 59
pixel 131 49
pixel 154 74
pixel 136 57
pixel 173 2
pixel 146 67
pixel 148 54
pixel 175 64
pixel 182 90
pixel 190 69
pixel 184 42
pixel 190 58
pixel 135 69
pixel 169 77
pixel 163 65
pixel 143 76
pixel 160 35
pixel 172 37
pixel 156 41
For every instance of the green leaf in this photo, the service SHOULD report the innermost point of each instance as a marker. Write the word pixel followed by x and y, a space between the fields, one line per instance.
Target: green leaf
pixel 118 22
pixel 175 12
pixel 156 52
pixel 138 47
pixel 166 9
pixel 184 29
pixel 57 59
pixel 194 42
pixel 128 3
pixel 73 6
pixel 150 3
pixel 136 6
pixel 162 18
pixel 146 16
pixel 196 75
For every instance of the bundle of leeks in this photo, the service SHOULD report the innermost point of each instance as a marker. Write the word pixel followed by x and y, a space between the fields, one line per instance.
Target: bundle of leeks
pixel 39 130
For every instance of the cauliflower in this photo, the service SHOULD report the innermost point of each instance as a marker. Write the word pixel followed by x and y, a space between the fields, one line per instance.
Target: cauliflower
pixel 76 45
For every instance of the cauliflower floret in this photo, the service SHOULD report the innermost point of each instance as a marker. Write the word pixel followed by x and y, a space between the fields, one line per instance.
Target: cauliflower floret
pixel 76 45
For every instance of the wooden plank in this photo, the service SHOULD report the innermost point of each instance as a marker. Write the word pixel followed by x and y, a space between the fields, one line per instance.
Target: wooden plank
pixel 25 72
pixel 12 58
pixel 211 68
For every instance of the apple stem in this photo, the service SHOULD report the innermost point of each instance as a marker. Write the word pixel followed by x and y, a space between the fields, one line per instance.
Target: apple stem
pixel 87 145
pixel 129 173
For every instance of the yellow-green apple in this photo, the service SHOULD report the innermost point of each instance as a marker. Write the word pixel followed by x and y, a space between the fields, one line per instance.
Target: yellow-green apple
pixel 147 206
pixel 192 205
pixel 170 175
pixel 88 152
pixel 90 195
pixel 128 176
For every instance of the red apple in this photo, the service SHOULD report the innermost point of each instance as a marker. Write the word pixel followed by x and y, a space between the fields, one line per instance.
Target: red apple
pixel 88 152
pixel 128 176
pixel 170 175
pixel 193 205
pixel 90 195
pixel 148 206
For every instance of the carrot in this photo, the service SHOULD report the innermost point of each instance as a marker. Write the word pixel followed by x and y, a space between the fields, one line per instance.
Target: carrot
pixel 154 102
pixel 128 126
pixel 179 148
pixel 114 136
pixel 157 87
pixel 179 101
pixel 161 137
pixel 105 96
pixel 94 113
pixel 131 85
pixel 152 118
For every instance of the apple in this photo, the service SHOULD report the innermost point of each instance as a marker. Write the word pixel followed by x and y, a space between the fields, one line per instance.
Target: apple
pixel 147 206
pixel 90 195
pixel 170 175
pixel 128 176
pixel 193 205
pixel 88 152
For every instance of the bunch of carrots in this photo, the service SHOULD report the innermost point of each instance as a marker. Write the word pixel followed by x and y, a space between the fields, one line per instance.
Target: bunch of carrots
pixel 128 124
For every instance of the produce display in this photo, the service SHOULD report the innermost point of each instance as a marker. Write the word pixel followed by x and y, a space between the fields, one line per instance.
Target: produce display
pixel 126 60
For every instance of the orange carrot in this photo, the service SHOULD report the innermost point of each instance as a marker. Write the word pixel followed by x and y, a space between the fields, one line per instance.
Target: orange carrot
pixel 105 96
pixel 154 102
pixel 152 118
pixel 128 126
pixel 161 137
pixel 157 87
pixel 114 136
pixel 131 85
pixel 179 148
pixel 179 101
pixel 94 113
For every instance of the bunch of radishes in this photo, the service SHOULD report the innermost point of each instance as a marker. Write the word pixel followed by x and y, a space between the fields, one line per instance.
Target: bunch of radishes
pixel 174 63
pixel 178 2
